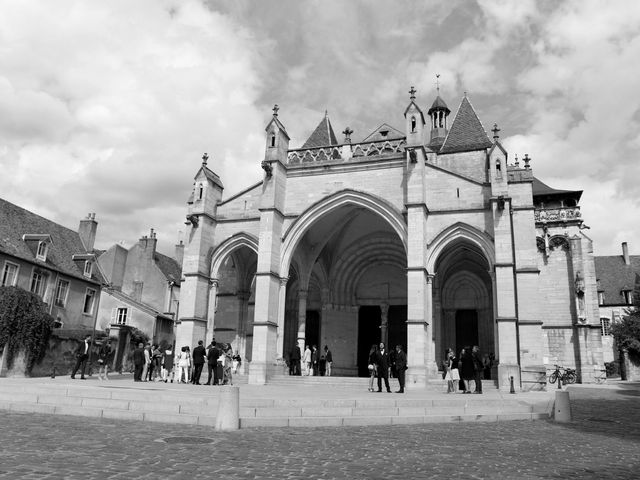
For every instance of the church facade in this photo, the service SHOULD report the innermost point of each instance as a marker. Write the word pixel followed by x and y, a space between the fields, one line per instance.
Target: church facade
pixel 429 237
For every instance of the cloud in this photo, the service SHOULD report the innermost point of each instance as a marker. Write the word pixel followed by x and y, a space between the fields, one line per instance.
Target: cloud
pixel 108 108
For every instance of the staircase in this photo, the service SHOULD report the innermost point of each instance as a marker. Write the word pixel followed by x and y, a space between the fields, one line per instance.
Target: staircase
pixel 319 403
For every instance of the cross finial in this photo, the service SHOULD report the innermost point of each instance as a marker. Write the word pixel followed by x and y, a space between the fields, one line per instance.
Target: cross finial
pixel 495 131
pixel 205 157
pixel 347 135
pixel 517 162
pixel 438 83
pixel 412 93
pixel 275 110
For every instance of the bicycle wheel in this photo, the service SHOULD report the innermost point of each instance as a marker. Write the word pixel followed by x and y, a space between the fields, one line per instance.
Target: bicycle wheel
pixel 573 377
pixel 553 378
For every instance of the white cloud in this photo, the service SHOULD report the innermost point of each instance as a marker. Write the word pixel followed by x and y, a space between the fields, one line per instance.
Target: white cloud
pixel 107 107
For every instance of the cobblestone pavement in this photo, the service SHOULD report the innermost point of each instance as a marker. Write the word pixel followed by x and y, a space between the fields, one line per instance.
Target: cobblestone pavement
pixel 602 442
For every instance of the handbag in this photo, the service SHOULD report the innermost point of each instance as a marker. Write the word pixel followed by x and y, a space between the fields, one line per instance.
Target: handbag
pixel 371 367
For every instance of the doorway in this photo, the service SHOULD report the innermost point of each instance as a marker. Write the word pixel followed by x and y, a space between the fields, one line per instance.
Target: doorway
pixel 466 329
pixel 312 328
pixel 369 320
pixel 397 333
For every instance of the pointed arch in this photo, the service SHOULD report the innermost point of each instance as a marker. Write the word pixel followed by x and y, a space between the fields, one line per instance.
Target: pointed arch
pixel 329 204
pixel 232 243
pixel 460 231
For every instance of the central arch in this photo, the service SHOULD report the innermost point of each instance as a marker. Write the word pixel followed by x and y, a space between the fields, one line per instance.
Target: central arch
pixel 345 260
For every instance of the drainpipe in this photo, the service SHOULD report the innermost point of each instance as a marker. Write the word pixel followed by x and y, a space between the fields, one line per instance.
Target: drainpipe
pixel 515 289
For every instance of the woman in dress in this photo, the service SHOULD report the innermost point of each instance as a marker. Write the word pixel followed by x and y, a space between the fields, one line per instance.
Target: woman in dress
pixel 451 370
pixel 228 362
pixel 167 364
pixel 373 355
pixel 306 360
pixel 183 365
pixel 103 360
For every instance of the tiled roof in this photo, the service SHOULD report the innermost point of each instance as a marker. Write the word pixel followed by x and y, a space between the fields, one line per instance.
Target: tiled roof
pixel 438 104
pixel 541 189
pixel 322 136
pixel 614 276
pixel 466 133
pixel 169 267
pixel 16 221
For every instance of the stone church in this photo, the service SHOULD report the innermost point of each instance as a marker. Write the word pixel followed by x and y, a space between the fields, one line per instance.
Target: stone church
pixel 430 237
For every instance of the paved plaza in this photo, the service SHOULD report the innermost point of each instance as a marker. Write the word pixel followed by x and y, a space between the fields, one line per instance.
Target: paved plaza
pixel 603 441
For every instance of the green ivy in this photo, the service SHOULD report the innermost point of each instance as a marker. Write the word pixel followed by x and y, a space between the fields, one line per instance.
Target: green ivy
pixel 24 325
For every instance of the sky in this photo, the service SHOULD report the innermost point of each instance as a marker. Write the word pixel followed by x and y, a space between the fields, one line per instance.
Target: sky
pixel 108 106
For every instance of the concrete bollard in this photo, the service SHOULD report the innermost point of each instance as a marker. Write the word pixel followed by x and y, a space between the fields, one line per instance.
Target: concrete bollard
pixel 228 417
pixel 562 407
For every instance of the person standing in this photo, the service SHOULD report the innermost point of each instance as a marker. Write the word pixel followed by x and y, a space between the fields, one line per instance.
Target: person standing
pixel 383 368
pixel 82 355
pixel 401 367
pixel 450 370
pixel 167 364
pixel 199 354
pixel 294 360
pixel 467 371
pixel 373 365
pixel 328 358
pixel 138 362
pixel 104 356
pixel 306 361
pixel 315 361
pixel 478 368
pixel 147 361
pixel 212 362
pixel 183 365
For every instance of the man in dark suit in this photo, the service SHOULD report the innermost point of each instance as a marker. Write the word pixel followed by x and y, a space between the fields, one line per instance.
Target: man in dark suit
pixel 138 362
pixel 478 367
pixel 82 354
pixel 212 362
pixel 294 360
pixel 382 361
pixel 401 366
pixel 198 362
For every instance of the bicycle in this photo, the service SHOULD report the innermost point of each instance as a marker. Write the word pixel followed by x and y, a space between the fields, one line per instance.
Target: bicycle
pixel 565 375
pixel 600 375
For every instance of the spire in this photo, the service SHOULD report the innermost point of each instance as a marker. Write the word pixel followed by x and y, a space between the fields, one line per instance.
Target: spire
pixel 466 132
pixel 438 112
pixel 323 135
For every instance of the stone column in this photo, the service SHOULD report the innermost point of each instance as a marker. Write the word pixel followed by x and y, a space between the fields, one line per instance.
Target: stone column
pixel 241 335
pixel 281 314
pixel 211 309
pixel 302 318
pixel 384 324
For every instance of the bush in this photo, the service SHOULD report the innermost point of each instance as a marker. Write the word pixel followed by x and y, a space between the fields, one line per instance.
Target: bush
pixel 24 325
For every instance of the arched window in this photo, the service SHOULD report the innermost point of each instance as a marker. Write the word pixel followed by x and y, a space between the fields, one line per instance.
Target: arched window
pixel 273 139
pixel 413 124
pixel 200 191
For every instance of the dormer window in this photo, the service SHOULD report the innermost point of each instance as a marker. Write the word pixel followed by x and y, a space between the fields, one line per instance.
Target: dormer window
pixel 88 268
pixel 41 253
pixel 627 296
pixel 600 298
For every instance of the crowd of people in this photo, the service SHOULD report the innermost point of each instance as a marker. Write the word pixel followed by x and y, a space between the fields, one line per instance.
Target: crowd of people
pixel 153 364
pixel 383 364
pixel 311 362
pixel 459 371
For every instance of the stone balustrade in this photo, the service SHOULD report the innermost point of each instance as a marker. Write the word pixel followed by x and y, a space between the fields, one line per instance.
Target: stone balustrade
pixel 562 214
pixel 346 151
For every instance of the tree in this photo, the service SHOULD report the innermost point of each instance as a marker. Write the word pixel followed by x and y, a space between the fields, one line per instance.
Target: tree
pixel 627 331
pixel 24 325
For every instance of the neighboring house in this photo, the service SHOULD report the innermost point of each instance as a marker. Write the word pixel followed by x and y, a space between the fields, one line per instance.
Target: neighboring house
pixel 617 276
pixel 431 236
pixel 52 261
pixel 143 289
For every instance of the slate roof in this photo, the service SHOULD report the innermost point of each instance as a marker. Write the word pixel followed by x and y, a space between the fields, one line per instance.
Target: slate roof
pixel 392 134
pixel 466 133
pixel 16 221
pixel 169 267
pixel 322 136
pixel 541 190
pixel 438 104
pixel 614 276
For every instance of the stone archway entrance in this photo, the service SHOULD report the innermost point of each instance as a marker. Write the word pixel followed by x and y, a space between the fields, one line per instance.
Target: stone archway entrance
pixel 463 299
pixel 347 287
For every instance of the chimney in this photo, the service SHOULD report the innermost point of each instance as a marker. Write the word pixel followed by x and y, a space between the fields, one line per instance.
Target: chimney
pixel 625 253
pixel 87 231
pixel 179 255
pixel 148 244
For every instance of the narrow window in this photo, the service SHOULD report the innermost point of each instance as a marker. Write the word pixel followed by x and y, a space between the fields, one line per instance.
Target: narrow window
pixel 122 316
pixel 458 192
pixel 37 283
pixel 627 296
pixel 88 268
pixel 200 191
pixel 9 275
pixel 89 297
pixel 600 298
pixel 413 124
pixel 62 289
pixel 498 166
pixel 41 253
pixel 273 139
pixel 605 325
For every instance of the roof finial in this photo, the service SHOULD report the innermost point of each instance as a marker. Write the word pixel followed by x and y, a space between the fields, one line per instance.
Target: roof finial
pixel 326 114
pixel 517 162
pixel 526 161
pixel 205 157
pixel 495 131
pixel 275 110
pixel 347 135
pixel 438 83
pixel 412 93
